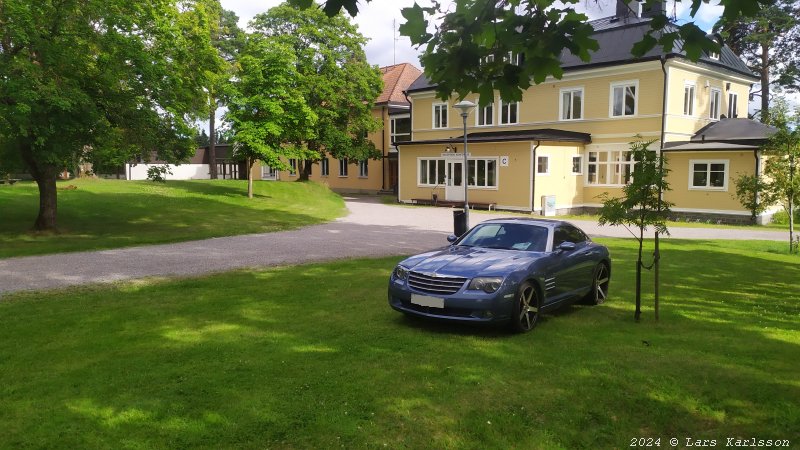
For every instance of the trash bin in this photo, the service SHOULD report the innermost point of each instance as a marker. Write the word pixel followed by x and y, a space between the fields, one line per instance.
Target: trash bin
pixel 459 222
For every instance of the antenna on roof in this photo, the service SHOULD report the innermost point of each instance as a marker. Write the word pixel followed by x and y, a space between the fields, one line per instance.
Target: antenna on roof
pixel 394 42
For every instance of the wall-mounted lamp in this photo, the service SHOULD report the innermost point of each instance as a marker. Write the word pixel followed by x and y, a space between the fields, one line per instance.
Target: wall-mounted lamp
pixel 451 148
pixel 727 86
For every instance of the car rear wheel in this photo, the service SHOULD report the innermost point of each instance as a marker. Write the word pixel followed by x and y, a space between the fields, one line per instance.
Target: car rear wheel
pixel 600 280
pixel 526 308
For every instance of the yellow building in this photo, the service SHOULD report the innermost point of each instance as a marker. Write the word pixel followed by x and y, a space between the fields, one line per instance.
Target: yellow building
pixel 368 176
pixel 567 141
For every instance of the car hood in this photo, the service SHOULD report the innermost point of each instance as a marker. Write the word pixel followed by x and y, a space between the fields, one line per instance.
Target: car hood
pixel 471 261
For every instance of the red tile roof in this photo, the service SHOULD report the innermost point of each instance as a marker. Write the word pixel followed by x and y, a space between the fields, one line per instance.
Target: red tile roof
pixel 396 79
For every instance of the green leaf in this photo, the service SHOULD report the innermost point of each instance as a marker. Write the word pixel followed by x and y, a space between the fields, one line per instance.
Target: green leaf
pixel 415 27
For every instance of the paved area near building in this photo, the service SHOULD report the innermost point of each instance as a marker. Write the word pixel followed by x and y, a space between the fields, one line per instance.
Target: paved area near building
pixel 371 229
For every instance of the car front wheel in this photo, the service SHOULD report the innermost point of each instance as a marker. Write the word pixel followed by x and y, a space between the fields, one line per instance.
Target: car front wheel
pixel 526 308
pixel 599 292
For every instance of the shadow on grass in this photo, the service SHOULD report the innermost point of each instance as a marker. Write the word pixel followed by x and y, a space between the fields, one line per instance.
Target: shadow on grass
pixel 314 357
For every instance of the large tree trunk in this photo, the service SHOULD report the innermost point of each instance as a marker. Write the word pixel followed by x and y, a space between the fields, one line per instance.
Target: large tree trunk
pixel 305 171
pixel 249 164
pixel 45 176
pixel 764 83
pixel 791 204
pixel 212 140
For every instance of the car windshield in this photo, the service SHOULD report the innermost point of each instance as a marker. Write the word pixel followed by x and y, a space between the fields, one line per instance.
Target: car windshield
pixel 509 236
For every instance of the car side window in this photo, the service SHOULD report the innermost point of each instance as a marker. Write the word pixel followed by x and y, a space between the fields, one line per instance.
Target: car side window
pixel 575 235
pixel 560 236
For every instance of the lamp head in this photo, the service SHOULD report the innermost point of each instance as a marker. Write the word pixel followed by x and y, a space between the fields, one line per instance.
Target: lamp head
pixel 465 106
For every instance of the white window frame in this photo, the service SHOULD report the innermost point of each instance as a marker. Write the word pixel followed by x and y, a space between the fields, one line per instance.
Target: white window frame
pixel 547 165
pixel 580 164
pixel 708 187
pixel 511 58
pixel 688 109
pixel 292 167
pixel 733 105
pixel 482 113
pixel 343 169
pixel 611 165
pixel 572 91
pixel 436 176
pixel 442 124
pixel 623 84
pixel 474 175
pixel 503 106
pixel 713 55
pixel 325 167
pixel 363 168
pixel 714 107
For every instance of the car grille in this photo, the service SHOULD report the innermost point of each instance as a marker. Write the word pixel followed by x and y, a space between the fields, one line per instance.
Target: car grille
pixel 435 285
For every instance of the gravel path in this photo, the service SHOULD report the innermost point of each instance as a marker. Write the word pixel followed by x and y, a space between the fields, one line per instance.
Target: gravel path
pixel 370 230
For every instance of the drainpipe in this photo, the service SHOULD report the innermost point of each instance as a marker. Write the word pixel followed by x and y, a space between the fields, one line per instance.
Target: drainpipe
pixel 411 121
pixel 384 116
pixel 533 176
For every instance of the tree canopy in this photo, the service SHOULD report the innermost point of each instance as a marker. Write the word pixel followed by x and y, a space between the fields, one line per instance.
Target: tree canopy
pixel 334 77
pixel 466 35
pixel 112 78
pixel 767 42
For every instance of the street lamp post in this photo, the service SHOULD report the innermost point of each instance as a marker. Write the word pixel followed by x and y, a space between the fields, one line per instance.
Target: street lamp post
pixel 465 107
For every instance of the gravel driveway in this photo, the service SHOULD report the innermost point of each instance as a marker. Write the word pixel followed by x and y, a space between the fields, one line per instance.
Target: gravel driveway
pixel 371 229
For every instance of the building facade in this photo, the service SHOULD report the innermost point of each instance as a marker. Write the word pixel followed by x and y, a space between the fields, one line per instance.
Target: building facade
pixel 566 143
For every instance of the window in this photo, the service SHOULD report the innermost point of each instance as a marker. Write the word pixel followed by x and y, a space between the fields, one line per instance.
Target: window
pixel 733 107
pixel 623 98
pixel 440 115
pixel 577 165
pixel 485 116
pixel 543 165
pixel 512 58
pixel 343 167
pixel 363 168
pixel 292 167
pixel 708 174
pixel 571 104
pixel 325 166
pixel 713 55
pixel 431 172
pixel 713 111
pixel 568 233
pixel 688 100
pixel 482 173
pixel 609 168
pixel 400 129
pixel 508 113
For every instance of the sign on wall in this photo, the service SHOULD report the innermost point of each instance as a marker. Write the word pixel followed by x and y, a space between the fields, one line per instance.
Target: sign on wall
pixel 504 161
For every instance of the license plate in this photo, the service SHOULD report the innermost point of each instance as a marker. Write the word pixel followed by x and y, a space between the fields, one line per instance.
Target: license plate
pixel 424 300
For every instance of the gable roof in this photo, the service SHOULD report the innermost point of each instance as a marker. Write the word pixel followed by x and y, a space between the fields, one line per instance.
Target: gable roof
pixel 615 36
pixel 396 79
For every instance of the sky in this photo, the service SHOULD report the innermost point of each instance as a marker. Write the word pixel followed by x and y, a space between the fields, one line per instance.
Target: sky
pixel 375 18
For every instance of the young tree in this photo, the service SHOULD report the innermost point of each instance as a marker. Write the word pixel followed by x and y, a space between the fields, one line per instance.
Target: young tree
pixel 465 34
pixel 110 77
pixel 767 41
pixel 269 116
pixel 641 205
pixel 333 76
pixel 780 184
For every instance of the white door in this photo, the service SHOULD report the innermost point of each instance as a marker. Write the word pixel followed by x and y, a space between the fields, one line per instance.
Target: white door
pixel 454 185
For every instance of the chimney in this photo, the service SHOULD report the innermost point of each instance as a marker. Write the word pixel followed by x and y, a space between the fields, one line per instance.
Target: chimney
pixel 653 9
pixel 631 8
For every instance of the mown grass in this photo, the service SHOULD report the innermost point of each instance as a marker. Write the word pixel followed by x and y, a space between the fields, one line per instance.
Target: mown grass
pixel 103 214
pixel 313 357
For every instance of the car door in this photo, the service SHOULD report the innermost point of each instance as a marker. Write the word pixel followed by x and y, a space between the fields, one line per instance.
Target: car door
pixel 581 260
pixel 572 264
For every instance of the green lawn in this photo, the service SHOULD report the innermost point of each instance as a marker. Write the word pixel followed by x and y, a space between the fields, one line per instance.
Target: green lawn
pixel 313 357
pixel 102 214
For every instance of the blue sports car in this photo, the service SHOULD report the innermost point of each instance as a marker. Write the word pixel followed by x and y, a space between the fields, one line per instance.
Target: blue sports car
pixel 504 270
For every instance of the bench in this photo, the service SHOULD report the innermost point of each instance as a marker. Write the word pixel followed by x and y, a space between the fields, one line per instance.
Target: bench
pixel 9 180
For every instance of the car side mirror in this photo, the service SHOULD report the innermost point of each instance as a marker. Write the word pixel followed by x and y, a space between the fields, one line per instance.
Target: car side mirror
pixel 566 246
pixel 452 238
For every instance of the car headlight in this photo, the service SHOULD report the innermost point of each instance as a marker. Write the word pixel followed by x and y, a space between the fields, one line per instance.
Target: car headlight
pixel 400 273
pixel 485 284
